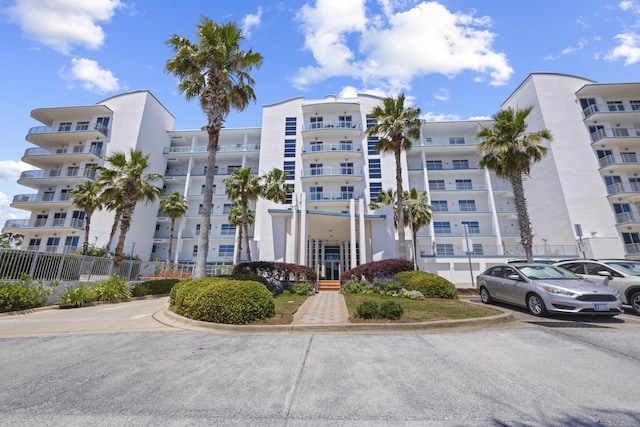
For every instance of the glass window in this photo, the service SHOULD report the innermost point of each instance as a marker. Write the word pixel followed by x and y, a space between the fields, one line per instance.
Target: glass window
pixel 436 184
pixel 232 168
pixel 228 229
pixel 344 121
pixel 472 227
pixel 346 192
pixel 371 121
pixel 315 193
pixel 477 249
pixel 346 145
pixel 440 206
pixel 442 227
pixel 434 164
pixel 374 189
pixel 464 184
pixel 635 104
pixel 445 249
pixel 289 169
pixel 317 145
pixel 290 125
pixel 456 140
pixel 615 106
pixel 316 168
pixel 289 147
pixel 225 251
pixel 225 208
pixel 375 170
pixel 467 205
pixel 82 125
pixel 461 164
pixel 346 168
pixel 289 198
pixel 316 122
pixel 64 127
pixel 371 145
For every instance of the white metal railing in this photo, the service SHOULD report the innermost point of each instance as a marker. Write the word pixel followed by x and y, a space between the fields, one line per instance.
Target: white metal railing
pixel 611 159
pixel 623 187
pixel 339 124
pixel 319 148
pixel 221 148
pixel 58 173
pixel 615 133
pixel 332 171
pixel 338 195
pixel 35 198
pixel 45 223
pixel 446 142
pixel 70 129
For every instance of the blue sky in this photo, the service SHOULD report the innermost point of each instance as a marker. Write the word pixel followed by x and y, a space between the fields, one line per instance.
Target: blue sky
pixel 455 59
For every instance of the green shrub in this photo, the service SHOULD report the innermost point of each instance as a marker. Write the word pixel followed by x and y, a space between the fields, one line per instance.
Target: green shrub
pixel 390 310
pixel 224 301
pixel 387 284
pixel 430 285
pixel 355 287
pixel 114 289
pixel 368 310
pixel 154 287
pixel 371 270
pixel 24 295
pixel 78 295
pixel 302 289
pixel 180 290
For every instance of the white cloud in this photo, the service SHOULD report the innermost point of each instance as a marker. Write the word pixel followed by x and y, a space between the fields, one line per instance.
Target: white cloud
pixel 7 212
pixel 251 21
pixel 629 49
pixel 626 5
pixel 390 50
pixel 62 24
pixel 11 170
pixel 430 116
pixel 442 94
pixel 90 76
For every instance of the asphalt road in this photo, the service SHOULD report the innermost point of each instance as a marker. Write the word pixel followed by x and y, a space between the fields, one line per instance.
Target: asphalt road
pixel 136 371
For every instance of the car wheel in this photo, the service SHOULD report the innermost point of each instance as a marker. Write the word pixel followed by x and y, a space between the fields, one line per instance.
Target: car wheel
pixel 536 305
pixel 485 297
pixel 634 301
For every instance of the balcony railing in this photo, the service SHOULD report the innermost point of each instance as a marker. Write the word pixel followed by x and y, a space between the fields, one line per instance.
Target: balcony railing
pixel 327 196
pixel 447 142
pixel 618 160
pixel 623 187
pixel 58 173
pixel 331 171
pixel 615 133
pixel 320 148
pixel 78 149
pixel 196 172
pixel 70 129
pixel 221 148
pixel 626 217
pixel 35 198
pixel 331 124
pixel 45 223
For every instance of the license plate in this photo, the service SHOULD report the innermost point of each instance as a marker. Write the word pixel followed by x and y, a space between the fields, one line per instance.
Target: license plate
pixel 601 307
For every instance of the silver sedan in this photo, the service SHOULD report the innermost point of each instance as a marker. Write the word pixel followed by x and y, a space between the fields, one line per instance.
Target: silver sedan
pixel 545 289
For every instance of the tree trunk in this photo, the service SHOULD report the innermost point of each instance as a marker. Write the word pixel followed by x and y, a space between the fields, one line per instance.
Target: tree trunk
pixel 203 239
pixel 402 254
pixel 173 222
pixel 125 224
pixel 245 224
pixel 87 226
pixel 524 224
pixel 114 227
pixel 238 256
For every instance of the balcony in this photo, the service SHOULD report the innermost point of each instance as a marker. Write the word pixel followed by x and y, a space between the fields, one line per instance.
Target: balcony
pixel 616 137
pixel 330 129
pixel 629 220
pixel 338 196
pixel 71 177
pixel 16 225
pixel 224 148
pixel 45 136
pixel 332 151
pixel 40 201
pixel 459 145
pixel 327 174
pixel 628 191
pixel 610 112
pixel 47 158
pixel 626 162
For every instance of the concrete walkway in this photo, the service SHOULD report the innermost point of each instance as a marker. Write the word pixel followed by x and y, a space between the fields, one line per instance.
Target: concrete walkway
pixel 324 308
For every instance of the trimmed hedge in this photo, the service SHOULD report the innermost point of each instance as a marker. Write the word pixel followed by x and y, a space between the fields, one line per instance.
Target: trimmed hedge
pixel 386 310
pixel 23 295
pixel 223 300
pixel 154 287
pixel 430 285
pixel 371 270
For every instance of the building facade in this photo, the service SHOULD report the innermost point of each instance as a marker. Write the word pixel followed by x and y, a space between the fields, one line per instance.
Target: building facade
pixel 582 196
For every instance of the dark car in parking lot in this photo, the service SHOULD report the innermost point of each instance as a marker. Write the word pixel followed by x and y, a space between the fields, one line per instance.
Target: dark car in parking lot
pixel 545 289
pixel 619 274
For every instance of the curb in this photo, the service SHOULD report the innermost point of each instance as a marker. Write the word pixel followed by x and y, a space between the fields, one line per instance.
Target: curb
pixel 169 318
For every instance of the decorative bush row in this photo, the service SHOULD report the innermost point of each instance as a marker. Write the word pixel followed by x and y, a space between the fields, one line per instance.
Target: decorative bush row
pixel 371 270
pixel 386 310
pixel 154 287
pixel 24 295
pixel 410 284
pixel 277 272
pixel 222 300
pixel 114 289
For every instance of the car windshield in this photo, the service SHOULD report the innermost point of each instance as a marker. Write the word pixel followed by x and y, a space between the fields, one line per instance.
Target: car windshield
pixel 546 272
pixel 628 267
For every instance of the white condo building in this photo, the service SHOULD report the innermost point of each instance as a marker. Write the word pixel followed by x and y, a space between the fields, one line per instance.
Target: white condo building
pixel 582 196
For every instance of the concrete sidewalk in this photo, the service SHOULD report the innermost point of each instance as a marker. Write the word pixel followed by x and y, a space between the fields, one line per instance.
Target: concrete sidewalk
pixel 327 307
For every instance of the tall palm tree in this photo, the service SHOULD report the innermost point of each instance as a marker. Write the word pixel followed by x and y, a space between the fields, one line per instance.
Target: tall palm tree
pixel 113 202
pixel 244 187
pixel 175 206
pixel 510 151
pixel 235 217
pixel 127 178
pixel 214 70
pixel 87 197
pixel 396 125
pixel 418 212
pixel 11 239
pixel 274 187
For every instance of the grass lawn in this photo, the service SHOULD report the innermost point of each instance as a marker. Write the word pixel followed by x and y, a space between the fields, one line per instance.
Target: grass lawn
pixel 286 307
pixel 420 310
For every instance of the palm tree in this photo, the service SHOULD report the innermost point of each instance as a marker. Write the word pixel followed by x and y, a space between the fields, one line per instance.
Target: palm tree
pixel 235 216
pixel 214 70
pixel 418 212
pixel 113 204
pixel 127 178
pixel 11 239
pixel 87 197
pixel 510 151
pixel 175 206
pixel 396 125
pixel 244 187
pixel 274 187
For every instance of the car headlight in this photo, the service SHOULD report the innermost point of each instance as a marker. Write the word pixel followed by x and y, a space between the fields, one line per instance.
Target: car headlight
pixel 556 291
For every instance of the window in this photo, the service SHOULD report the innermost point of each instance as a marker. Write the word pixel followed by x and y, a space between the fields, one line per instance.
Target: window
pixel 371 121
pixel 289 147
pixel 317 145
pixel 315 193
pixel 290 170
pixel 316 168
pixel 316 122
pixel 623 212
pixel 615 106
pixel 64 127
pixel 34 244
pixel 374 189
pixel 635 184
pixel 65 194
pixel 346 192
pixel 102 124
pixel 344 121
pixel 461 164
pixel 472 227
pixel 228 229
pixel 225 251
pixel 77 218
pixel 467 205
pixel 375 171
pixel 589 106
pixel 346 145
pixel 47 196
pixel 444 249
pixel 289 197
pixel 477 249
pixel 346 168
pixel 635 105
pixel 440 206
pixel 436 184
pixel 70 244
pixel 82 125
pixel 442 227
pixel 59 218
pixel 52 244
pixel 225 208
pixel 434 164
pixel 290 124
pixel 629 157
pixel 41 220
pixel 371 145
pixel 620 132
pixel 464 184
pixel 195 250
pixel 232 168
pixel 456 140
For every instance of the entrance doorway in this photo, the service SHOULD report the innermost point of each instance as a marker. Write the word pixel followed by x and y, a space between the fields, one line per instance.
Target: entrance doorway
pixel 332 263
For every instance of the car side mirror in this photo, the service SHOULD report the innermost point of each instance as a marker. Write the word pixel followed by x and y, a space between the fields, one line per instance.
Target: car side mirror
pixel 605 273
pixel 513 277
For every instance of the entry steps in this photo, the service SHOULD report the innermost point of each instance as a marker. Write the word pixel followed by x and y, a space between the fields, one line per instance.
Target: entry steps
pixel 328 285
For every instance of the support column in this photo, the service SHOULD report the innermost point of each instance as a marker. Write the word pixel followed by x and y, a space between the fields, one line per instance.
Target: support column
pixel 352 219
pixel 363 240
pixel 303 229
pixel 291 248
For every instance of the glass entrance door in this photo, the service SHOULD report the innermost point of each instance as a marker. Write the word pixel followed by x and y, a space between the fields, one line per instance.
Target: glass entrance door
pixel 332 263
